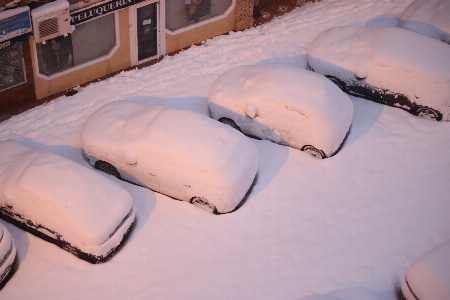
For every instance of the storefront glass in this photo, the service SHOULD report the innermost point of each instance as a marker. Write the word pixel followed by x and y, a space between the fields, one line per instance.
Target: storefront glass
pixel 182 13
pixel 12 70
pixel 89 41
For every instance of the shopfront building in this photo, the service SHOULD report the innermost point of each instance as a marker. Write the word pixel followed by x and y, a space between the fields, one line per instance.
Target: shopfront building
pixel 16 71
pixel 76 42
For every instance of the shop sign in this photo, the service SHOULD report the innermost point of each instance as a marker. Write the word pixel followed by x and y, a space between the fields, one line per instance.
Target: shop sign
pixel 13 23
pixel 99 10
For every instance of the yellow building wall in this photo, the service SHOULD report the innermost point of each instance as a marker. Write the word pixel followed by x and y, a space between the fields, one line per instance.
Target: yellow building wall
pixel 118 61
pixel 121 58
pixel 192 36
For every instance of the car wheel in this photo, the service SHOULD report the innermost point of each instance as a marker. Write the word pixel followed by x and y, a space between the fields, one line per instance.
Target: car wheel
pixel 203 203
pixel 428 113
pixel 107 168
pixel 229 122
pixel 314 151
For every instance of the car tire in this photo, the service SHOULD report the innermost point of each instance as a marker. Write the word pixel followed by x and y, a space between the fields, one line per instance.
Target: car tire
pixel 229 122
pixel 427 113
pixel 107 168
pixel 314 151
pixel 203 203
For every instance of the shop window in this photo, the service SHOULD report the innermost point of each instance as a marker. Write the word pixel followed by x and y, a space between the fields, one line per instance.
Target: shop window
pixel 89 41
pixel 12 68
pixel 182 13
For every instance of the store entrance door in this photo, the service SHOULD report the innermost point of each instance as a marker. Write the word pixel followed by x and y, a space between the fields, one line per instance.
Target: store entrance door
pixel 144 33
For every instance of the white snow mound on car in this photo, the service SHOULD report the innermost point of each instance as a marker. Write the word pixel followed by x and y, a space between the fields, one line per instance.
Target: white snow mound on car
pixel 395 59
pixel 284 104
pixel 188 153
pixel 428 17
pixel 82 206
pixel 429 276
pixel 7 252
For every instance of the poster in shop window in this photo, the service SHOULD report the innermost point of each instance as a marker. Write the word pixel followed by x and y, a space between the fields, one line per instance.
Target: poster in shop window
pixel 195 9
pixel 182 13
pixel 12 71
pixel 55 55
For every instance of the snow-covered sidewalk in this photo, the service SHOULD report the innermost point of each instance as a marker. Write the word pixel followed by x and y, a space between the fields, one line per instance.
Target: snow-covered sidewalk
pixel 356 219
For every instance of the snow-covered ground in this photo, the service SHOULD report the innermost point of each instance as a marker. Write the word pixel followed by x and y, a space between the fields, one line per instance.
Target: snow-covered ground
pixel 357 219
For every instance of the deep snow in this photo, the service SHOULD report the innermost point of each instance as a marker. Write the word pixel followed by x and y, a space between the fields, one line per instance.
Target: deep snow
pixel 390 59
pixel 63 200
pixel 354 293
pixel 177 152
pixel 428 277
pixel 284 104
pixel 356 219
pixel 7 254
pixel 429 17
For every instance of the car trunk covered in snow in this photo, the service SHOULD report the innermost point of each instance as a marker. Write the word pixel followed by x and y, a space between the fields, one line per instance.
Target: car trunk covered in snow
pixel 284 104
pixel 177 152
pixel 7 255
pixel 387 64
pixel 428 17
pixel 62 201
pixel 428 277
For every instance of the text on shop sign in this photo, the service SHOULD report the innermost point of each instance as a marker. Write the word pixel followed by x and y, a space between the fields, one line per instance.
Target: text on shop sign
pixel 98 10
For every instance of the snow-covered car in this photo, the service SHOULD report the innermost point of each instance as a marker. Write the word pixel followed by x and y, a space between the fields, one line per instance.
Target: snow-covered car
pixel 180 153
pixel 7 254
pixel 428 277
pixel 388 65
pixel 63 202
pixel 283 104
pixel 428 17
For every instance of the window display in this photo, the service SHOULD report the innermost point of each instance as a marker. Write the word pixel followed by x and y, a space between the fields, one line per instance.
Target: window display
pixel 12 70
pixel 55 55
pixel 89 41
pixel 182 13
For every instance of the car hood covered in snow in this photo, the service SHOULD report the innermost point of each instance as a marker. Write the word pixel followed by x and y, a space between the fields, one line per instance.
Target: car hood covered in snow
pixel 300 101
pixel 175 144
pixel 59 195
pixel 429 276
pixel 391 58
pixel 429 17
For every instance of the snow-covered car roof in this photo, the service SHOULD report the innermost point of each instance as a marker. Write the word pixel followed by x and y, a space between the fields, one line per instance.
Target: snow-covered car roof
pixel 62 199
pixel 428 17
pixel 180 148
pixel 284 104
pixel 7 253
pixel 428 277
pixel 387 58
